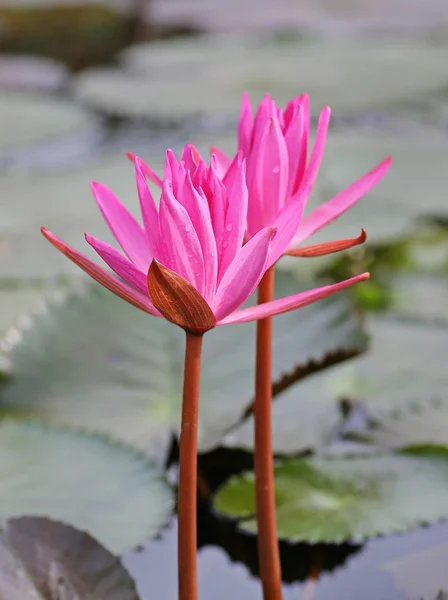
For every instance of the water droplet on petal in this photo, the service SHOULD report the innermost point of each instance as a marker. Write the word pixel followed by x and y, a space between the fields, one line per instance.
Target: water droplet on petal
pixel 276 169
pixel 229 227
pixel 225 244
pixel 187 229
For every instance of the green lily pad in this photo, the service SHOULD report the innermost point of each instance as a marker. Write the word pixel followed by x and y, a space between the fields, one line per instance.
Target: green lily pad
pixel 331 500
pixel 30 120
pixel 28 73
pixel 348 73
pixel 47 560
pixel 88 481
pixel 404 369
pixel 421 296
pixel 91 360
pixel 416 180
pixel 63 203
pixel 326 15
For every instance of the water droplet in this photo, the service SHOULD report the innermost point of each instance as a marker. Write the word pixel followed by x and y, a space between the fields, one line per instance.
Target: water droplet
pixel 229 227
pixel 225 244
pixel 187 229
pixel 276 169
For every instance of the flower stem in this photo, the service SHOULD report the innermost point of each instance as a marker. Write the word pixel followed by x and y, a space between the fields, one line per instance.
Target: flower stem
pixel 268 551
pixel 187 529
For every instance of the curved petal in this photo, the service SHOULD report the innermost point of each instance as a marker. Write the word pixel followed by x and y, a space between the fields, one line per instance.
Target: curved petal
pixel 219 162
pixel 245 125
pixel 198 210
pixel 150 174
pixel 334 208
pixel 102 276
pixel 312 169
pixel 179 246
pixel 243 274
pixel 148 209
pixel 268 181
pixel 171 170
pixel 120 264
pixel 127 231
pixel 235 215
pixel 283 305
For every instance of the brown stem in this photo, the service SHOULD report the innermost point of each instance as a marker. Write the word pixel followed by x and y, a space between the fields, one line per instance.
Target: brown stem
pixel 268 552
pixel 187 529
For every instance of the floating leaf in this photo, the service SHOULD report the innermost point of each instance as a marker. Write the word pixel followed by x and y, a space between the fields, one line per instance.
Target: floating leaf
pixel 92 483
pixel 416 180
pixel 93 361
pixel 351 498
pixel 32 121
pixel 44 559
pixel 422 296
pixel 27 73
pixel 364 74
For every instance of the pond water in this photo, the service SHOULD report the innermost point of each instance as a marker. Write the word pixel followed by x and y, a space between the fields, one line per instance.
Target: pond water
pixel 382 68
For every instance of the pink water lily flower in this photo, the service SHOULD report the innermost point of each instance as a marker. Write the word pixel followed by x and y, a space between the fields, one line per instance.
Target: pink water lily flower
pixel 193 244
pixel 279 172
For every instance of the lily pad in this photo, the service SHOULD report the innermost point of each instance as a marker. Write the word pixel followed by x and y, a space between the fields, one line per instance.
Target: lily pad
pixel 29 73
pixel 206 75
pixel 330 500
pixel 91 360
pixel 88 481
pixel 48 560
pixel 405 366
pixel 416 180
pixel 63 203
pixel 31 121
pixel 404 369
pixel 422 297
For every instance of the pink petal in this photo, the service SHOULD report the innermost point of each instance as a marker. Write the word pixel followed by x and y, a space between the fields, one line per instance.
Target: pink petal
pixel 148 209
pixel 121 265
pixel 236 215
pixel 218 209
pixel 312 170
pixel 171 169
pixel 243 274
pixel 197 208
pixel 297 144
pixel 179 246
pixel 334 208
pixel 268 179
pixel 127 231
pixel 150 174
pixel 287 223
pixel 245 125
pixel 189 157
pixel 219 162
pixel 283 305
pixel 102 276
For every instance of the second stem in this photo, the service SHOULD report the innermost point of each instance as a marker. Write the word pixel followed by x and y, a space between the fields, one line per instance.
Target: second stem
pixel 186 503
pixel 268 551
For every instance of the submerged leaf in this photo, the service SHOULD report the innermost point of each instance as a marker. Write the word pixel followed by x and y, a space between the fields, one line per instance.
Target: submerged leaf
pixel 42 559
pixel 331 500
pixel 88 481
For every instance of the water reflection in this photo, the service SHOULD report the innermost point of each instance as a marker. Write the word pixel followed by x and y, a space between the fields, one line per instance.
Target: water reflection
pixel 390 568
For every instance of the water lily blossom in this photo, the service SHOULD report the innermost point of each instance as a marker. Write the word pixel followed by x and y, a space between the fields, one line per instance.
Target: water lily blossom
pixel 191 263
pixel 195 237
pixel 280 173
